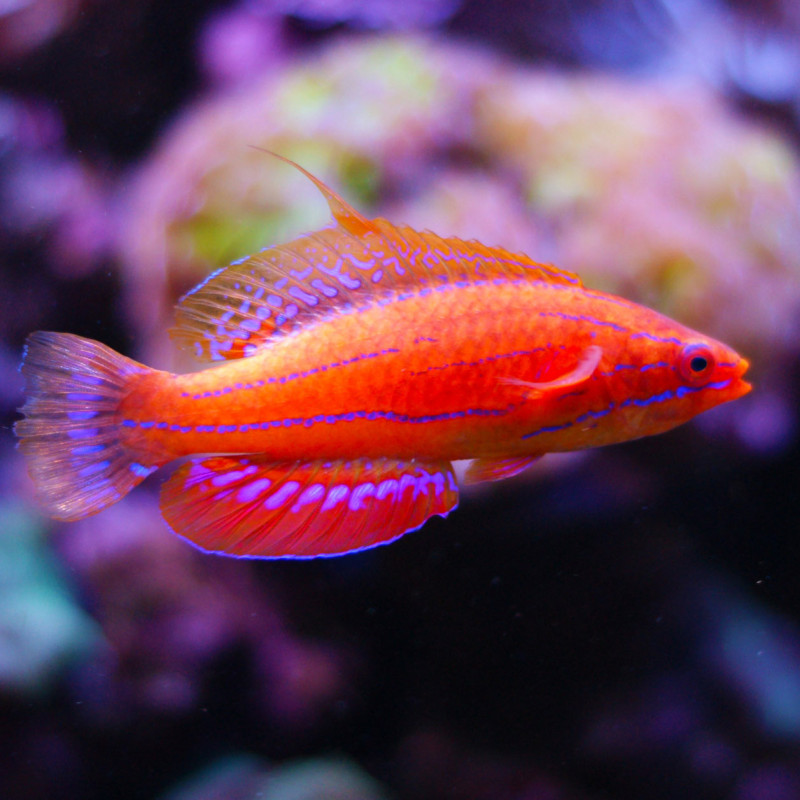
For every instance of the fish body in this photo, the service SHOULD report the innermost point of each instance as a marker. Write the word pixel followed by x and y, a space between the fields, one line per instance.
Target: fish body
pixel 426 377
pixel 355 364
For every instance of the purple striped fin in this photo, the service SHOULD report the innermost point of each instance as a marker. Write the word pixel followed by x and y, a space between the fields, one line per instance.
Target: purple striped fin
pixel 251 507
pixel 71 436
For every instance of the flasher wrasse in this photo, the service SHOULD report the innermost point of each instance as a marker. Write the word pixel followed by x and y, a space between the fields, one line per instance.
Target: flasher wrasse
pixel 356 363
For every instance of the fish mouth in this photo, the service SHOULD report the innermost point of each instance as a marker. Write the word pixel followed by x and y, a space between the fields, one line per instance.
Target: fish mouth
pixel 740 386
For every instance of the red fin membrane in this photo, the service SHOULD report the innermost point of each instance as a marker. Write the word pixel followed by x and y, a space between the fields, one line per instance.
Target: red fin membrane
pixel 70 435
pixel 496 469
pixel 429 257
pixel 248 506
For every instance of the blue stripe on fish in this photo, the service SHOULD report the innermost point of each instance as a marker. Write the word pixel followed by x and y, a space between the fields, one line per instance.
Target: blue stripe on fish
pixel 661 397
pixel 583 318
pixel 347 416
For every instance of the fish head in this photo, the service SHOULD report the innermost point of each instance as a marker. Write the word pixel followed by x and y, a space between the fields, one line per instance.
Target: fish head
pixel 709 373
pixel 695 373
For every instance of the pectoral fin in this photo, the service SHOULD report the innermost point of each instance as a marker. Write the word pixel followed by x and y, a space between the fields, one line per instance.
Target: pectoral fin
pixel 496 469
pixel 580 373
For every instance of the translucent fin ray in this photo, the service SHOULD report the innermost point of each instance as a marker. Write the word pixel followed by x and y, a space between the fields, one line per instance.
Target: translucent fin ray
pixel 70 435
pixel 350 219
pixel 429 255
pixel 496 469
pixel 240 308
pixel 588 362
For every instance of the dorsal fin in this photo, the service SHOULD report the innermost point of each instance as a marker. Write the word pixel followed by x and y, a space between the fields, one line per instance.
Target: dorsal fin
pixel 430 255
pixel 350 219
pixel 240 307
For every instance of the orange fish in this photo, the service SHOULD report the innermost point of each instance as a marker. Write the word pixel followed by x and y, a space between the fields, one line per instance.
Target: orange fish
pixel 357 362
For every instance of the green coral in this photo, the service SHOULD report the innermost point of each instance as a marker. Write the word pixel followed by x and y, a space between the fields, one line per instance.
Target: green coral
pixel 42 629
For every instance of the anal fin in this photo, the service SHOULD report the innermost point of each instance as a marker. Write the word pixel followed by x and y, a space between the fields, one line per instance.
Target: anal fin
pixel 249 506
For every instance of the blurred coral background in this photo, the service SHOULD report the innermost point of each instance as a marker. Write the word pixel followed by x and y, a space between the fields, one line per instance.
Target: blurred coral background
pixel 621 624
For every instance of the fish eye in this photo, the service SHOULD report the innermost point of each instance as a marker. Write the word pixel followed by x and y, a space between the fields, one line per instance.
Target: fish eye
pixel 696 363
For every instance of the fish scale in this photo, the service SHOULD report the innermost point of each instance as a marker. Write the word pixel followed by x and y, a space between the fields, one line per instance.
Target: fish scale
pixel 355 364
pixel 467 369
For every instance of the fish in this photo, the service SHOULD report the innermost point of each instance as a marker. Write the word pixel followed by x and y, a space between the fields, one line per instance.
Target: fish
pixel 344 372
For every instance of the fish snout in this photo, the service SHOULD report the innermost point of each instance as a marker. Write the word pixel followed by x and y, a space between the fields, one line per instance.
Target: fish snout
pixel 739 386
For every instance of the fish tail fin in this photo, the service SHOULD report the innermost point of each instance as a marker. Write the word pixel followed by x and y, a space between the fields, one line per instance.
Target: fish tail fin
pixel 71 435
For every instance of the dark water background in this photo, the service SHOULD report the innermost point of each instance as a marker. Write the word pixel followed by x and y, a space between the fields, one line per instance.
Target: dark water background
pixel 626 626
